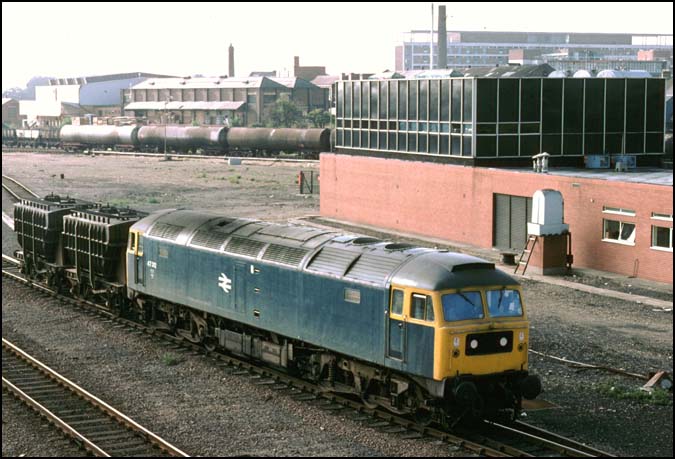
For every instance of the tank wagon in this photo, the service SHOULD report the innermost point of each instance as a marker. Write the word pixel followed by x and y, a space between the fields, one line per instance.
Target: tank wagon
pixel 87 136
pixel 183 138
pixel 418 331
pixel 175 138
pixel 282 139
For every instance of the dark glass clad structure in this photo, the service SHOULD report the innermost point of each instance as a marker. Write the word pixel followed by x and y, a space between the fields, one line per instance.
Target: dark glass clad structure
pixel 501 120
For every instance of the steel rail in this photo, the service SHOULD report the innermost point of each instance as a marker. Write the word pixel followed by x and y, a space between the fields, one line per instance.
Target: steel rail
pixel 21 185
pixel 69 385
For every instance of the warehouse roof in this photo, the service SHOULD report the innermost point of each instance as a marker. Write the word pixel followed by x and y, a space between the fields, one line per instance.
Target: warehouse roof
pixel 294 83
pixel 208 82
pixel 188 105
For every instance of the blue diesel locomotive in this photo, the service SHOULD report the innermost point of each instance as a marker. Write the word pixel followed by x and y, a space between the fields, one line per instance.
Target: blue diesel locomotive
pixel 419 331
pixel 416 330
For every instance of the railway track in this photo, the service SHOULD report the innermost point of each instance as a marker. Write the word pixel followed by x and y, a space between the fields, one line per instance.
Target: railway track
pixel 161 155
pixel 89 421
pixel 17 189
pixel 494 440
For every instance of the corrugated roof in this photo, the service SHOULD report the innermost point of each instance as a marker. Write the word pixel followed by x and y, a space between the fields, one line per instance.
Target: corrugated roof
pixel 224 105
pixel 210 82
pixel 325 81
pixel 294 83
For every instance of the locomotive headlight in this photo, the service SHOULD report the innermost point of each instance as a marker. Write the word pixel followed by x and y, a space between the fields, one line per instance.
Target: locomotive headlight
pixel 503 341
pixel 521 336
pixel 455 341
pixel 473 343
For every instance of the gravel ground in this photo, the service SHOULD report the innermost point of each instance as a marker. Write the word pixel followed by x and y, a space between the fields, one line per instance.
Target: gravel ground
pixel 208 412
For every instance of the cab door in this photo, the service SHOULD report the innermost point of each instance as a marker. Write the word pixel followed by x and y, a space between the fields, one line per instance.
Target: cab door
pixel 135 258
pixel 396 327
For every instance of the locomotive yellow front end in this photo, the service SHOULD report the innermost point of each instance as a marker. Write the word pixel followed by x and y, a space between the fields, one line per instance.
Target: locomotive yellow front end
pixel 482 347
pixel 476 317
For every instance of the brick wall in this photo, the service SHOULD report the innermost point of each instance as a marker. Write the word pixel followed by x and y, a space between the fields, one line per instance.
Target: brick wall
pixel 456 203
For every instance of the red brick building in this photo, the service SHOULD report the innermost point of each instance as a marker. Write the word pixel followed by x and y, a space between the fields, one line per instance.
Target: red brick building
pixel 620 222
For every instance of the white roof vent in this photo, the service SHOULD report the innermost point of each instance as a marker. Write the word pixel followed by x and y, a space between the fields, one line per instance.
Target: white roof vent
pixel 547 214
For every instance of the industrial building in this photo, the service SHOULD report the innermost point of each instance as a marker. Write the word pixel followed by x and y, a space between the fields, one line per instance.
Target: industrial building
pixel 402 147
pixel 10 113
pixel 502 121
pixel 64 98
pixel 210 100
pixel 489 49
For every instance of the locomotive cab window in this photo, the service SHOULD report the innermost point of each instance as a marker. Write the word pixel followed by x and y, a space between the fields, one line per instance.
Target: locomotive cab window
pixel 397 302
pixel 462 306
pixel 504 302
pixel 132 242
pixel 422 307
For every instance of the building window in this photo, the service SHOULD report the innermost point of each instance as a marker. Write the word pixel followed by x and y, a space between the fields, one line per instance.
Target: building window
pixel 662 238
pixel 618 231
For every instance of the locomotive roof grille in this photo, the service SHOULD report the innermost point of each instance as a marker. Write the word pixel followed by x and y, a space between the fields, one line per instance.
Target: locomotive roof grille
pixel 209 239
pixel 291 256
pixel 165 231
pixel 243 246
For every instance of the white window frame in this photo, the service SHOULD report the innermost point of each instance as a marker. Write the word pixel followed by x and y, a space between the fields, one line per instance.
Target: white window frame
pixel 618 241
pixel 658 247
pixel 663 217
pixel 618 211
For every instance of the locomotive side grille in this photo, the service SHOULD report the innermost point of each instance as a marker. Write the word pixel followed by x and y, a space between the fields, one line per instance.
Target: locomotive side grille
pixel 332 261
pixel 489 343
pixel 242 246
pixel 209 239
pixel 373 268
pixel 291 256
pixel 165 231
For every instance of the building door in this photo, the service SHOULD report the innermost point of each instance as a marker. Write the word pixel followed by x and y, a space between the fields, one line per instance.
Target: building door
pixel 511 214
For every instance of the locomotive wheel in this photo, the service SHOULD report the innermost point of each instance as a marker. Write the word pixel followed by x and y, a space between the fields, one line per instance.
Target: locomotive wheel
pixel 368 404
pixel 210 344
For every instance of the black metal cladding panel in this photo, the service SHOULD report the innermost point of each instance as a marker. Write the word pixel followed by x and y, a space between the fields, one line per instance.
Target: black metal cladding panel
pixel 332 261
pixel 243 246
pixel 38 228
pixel 489 343
pixel 373 268
pixel 165 231
pixel 210 239
pixel 291 256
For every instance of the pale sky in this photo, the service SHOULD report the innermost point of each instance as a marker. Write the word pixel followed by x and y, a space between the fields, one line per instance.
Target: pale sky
pixel 84 39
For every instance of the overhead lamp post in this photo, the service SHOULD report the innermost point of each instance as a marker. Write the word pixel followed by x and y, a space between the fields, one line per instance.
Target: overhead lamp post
pixel 166 122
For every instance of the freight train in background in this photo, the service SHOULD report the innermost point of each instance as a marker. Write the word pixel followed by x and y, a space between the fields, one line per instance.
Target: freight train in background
pixel 437 335
pixel 217 140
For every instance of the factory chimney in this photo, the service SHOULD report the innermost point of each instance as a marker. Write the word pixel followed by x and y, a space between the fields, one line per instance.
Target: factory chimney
pixel 442 39
pixel 231 61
